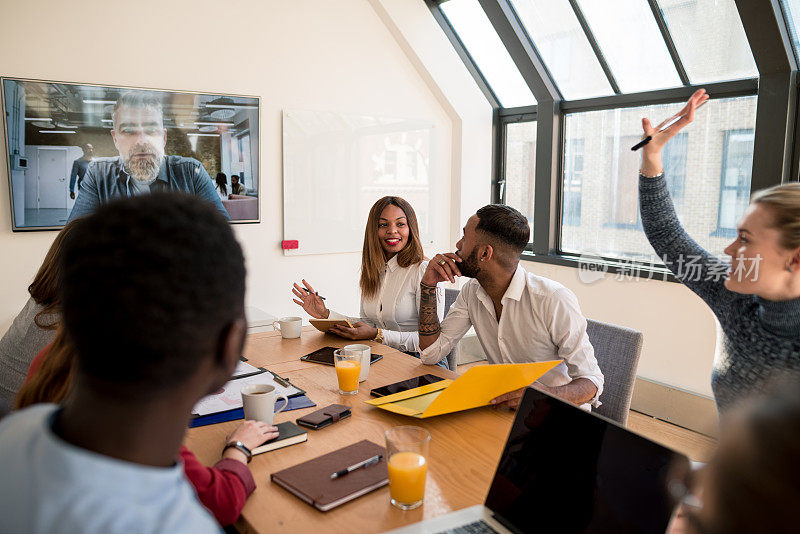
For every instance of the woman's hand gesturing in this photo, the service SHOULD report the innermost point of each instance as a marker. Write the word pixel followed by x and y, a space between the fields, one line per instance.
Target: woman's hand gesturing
pixel 310 301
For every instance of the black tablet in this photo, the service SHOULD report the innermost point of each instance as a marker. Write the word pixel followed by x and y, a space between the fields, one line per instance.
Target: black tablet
pixel 325 356
pixel 411 383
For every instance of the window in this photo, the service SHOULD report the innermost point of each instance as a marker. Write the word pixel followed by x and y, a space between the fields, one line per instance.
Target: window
pixel 791 9
pixel 609 222
pixel 710 40
pixel 554 28
pixel 490 56
pixel 624 199
pixel 573 182
pixel 737 166
pixel 598 67
pixel 519 165
pixel 632 43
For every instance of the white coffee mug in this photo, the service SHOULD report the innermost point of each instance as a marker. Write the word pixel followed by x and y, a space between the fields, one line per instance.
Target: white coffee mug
pixel 289 327
pixel 366 355
pixel 259 402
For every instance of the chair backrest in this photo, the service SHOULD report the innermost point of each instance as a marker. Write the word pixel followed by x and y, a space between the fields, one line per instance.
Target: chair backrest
pixel 450 296
pixel 617 350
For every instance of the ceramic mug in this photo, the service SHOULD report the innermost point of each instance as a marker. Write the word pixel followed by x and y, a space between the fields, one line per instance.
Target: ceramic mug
pixel 259 402
pixel 289 327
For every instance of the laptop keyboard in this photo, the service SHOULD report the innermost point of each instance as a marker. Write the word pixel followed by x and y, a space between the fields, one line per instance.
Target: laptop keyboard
pixel 478 527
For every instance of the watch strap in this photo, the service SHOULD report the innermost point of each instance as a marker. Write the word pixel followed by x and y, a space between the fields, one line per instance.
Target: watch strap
pixel 240 446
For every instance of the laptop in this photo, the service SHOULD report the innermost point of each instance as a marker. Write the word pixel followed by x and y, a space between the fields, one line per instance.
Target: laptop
pixel 569 471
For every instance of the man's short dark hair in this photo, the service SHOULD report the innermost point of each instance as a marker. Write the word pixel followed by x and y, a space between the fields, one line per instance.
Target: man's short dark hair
pixel 505 224
pixel 137 99
pixel 149 286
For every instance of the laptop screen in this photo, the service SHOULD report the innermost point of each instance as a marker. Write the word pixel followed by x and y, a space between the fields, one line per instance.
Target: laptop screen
pixel 568 471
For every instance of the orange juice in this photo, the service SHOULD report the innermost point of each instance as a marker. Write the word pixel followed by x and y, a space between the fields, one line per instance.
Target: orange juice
pixel 407 472
pixel 347 372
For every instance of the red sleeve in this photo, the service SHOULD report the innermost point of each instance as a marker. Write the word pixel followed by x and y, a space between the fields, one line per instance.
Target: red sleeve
pixel 37 363
pixel 223 489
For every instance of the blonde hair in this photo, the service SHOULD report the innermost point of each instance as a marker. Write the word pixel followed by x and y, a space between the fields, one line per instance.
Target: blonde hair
pixel 372 257
pixel 784 203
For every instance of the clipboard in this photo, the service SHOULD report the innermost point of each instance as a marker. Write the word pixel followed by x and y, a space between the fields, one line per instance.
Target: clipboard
pixel 228 397
pixel 473 389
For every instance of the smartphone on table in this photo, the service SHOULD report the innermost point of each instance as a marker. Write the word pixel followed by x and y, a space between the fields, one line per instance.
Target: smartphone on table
pixel 324 356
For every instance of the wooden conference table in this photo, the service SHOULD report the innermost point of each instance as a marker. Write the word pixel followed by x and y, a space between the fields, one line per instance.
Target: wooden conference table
pixel 464 450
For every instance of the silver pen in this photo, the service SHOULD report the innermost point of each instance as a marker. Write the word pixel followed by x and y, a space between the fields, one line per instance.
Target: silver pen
pixel 366 463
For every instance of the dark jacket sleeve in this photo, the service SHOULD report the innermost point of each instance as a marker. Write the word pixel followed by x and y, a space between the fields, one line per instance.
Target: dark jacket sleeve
pixel 73 175
pixel 694 266
pixel 89 199
pixel 223 489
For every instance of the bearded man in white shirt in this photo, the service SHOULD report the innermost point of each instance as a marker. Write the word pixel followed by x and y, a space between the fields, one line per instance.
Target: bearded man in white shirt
pixel 519 317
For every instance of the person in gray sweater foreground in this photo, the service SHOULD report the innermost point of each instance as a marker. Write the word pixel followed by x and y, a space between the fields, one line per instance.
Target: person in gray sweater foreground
pixel 35 326
pixel 757 297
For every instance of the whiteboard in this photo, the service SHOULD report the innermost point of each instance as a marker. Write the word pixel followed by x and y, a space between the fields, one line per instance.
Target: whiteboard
pixel 336 165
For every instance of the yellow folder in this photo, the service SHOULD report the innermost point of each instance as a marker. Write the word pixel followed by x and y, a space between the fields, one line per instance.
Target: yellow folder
pixel 474 388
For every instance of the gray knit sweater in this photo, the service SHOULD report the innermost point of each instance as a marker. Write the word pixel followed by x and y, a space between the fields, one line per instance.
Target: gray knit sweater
pixel 20 344
pixel 762 337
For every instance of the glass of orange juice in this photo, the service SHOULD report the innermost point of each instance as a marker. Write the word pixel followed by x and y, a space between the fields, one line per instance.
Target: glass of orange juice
pixel 407 447
pixel 348 368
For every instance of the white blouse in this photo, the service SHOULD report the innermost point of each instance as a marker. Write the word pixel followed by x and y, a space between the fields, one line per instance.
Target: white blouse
pixel 395 307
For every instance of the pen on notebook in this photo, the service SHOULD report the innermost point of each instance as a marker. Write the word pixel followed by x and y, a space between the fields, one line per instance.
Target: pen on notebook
pixel 366 463
pixel 663 127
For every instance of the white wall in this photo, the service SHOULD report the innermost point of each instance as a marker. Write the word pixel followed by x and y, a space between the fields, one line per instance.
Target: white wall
pixel 304 54
pixel 679 330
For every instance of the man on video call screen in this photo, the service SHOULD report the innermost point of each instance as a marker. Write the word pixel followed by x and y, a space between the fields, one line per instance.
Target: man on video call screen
pixel 141 167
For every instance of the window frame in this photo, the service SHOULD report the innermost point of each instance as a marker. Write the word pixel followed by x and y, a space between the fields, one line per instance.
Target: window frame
pixel 724 231
pixel 766 29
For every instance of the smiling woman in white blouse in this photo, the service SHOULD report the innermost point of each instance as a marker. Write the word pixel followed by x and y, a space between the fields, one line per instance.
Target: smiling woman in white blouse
pixel 392 265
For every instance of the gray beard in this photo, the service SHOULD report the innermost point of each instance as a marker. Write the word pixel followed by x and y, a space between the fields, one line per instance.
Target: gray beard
pixel 143 170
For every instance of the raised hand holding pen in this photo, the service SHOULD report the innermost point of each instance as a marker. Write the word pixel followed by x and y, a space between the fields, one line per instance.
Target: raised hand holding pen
pixel 651 152
pixel 312 303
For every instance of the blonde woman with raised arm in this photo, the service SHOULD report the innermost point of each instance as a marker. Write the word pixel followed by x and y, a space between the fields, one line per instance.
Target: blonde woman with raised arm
pixel 758 302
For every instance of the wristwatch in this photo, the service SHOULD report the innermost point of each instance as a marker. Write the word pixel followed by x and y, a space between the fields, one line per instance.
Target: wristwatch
pixel 379 338
pixel 240 446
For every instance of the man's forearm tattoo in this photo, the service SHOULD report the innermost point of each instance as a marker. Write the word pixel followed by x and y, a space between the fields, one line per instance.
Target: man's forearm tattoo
pixel 428 318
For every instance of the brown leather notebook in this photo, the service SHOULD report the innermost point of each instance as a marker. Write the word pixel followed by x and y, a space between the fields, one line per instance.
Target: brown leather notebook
pixel 311 480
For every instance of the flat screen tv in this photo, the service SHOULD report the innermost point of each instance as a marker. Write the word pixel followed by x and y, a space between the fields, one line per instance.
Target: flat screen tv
pixel 67 140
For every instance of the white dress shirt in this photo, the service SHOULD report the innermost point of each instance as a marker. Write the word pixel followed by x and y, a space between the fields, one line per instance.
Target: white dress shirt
pixel 395 306
pixel 540 321
pixel 51 486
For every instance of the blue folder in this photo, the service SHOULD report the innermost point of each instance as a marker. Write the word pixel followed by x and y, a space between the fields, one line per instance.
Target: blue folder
pixel 295 403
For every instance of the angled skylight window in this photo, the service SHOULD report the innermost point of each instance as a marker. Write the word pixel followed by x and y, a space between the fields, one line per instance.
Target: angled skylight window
pixel 563 46
pixel 490 56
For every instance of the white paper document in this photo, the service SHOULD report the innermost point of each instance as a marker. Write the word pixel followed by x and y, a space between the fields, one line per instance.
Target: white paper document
pixel 229 396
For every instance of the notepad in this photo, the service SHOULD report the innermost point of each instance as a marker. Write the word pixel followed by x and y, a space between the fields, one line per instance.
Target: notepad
pixel 288 434
pixel 475 388
pixel 323 325
pixel 311 481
